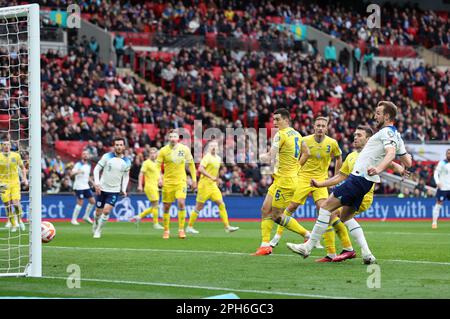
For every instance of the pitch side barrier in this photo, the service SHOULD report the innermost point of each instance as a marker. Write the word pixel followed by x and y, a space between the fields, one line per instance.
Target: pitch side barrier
pixel 60 207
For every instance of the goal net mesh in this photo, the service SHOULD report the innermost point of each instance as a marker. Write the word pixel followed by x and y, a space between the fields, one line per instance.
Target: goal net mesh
pixel 14 132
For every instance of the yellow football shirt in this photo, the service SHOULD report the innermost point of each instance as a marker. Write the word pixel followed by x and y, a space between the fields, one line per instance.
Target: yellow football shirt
pixel 211 163
pixel 321 154
pixel 288 142
pixel 9 167
pixel 175 160
pixel 347 168
pixel 151 172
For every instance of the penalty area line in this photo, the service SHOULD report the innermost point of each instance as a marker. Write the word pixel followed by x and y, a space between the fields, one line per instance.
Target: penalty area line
pixel 162 284
pixel 230 253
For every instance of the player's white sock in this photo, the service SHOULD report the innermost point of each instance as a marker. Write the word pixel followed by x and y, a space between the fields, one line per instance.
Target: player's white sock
pixel 102 220
pixel 319 229
pixel 355 230
pixel 89 209
pixel 76 212
pixel 436 211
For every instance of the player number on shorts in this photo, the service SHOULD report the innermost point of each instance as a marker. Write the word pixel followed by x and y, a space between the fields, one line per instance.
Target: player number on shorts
pixel 297 148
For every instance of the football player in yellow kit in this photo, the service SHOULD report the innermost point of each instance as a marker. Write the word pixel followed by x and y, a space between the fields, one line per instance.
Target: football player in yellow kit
pixel 175 156
pixel 150 174
pixel 208 189
pixel 288 152
pixel 323 149
pixel 10 163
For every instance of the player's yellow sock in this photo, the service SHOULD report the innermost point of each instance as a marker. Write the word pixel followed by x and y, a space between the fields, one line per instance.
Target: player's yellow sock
pixel 342 232
pixel 266 229
pixel 181 219
pixel 280 229
pixel 291 224
pixel 193 218
pixel 155 213
pixel 330 241
pixel 146 212
pixel 166 221
pixel 223 214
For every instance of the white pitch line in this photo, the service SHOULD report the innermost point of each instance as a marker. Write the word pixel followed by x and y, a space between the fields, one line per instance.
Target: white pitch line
pixel 161 284
pixel 405 233
pixel 228 253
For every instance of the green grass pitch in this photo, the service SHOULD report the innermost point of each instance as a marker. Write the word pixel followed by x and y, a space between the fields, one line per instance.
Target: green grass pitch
pixel 135 262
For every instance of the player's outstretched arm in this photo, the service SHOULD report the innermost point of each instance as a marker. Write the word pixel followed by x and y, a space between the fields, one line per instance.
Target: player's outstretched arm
pixel 437 173
pixel 24 173
pixel 306 153
pixel 406 160
pixel 387 160
pixel 399 169
pixel 337 164
pixel 140 181
pixel 125 180
pixel 336 179
pixel 98 168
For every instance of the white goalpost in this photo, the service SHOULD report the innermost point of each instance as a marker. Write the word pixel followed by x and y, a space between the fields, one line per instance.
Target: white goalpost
pixel 20 124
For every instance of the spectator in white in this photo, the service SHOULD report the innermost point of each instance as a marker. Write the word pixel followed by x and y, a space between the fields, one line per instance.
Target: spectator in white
pixel 238 33
pixel 442 179
pixel 169 72
pixel 126 84
pixel 281 57
pixel 330 52
pixel 66 110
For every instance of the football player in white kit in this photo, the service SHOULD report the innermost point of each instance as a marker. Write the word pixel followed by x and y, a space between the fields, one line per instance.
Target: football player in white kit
pixel 82 170
pixel 442 179
pixel 115 167
pixel 377 155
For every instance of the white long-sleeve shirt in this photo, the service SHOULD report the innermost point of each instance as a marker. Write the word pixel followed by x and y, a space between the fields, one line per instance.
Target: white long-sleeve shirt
pixel 115 173
pixel 375 151
pixel 442 175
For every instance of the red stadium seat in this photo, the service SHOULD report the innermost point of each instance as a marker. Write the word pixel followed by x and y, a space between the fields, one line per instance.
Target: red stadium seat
pixel 152 130
pixel 419 94
pixel 334 101
pixel 86 101
pixel 217 72
pixel 140 97
pixel 4 120
pixel 104 117
pixel 138 127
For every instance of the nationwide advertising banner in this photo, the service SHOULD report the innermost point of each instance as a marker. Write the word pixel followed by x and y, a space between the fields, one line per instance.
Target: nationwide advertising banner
pixel 239 207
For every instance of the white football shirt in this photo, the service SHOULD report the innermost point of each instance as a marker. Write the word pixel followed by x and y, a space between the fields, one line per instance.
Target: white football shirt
pixel 375 150
pixel 82 179
pixel 442 175
pixel 115 173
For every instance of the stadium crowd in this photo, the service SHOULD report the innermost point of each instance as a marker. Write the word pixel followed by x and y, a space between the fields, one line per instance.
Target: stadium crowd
pixel 401 24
